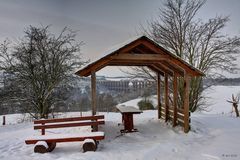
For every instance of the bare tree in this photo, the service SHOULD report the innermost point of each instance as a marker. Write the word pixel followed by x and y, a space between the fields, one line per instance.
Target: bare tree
pixel 199 43
pixel 38 64
pixel 235 102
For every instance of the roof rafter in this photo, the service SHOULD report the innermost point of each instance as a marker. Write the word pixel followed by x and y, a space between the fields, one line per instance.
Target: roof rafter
pixel 153 68
pixel 163 69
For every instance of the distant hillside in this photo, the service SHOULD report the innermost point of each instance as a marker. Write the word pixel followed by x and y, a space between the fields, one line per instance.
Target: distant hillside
pixel 222 81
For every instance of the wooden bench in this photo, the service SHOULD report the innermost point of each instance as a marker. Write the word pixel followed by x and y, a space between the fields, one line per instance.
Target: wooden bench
pixel 47 143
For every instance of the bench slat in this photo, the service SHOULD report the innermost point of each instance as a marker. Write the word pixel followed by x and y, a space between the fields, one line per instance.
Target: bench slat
pixel 69 119
pixel 94 123
pixel 69 139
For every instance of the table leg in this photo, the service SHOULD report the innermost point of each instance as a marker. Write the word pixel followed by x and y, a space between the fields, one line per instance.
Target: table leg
pixel 128 122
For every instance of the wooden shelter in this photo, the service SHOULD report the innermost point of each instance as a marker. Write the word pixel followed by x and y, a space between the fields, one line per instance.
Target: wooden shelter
pixel 142 51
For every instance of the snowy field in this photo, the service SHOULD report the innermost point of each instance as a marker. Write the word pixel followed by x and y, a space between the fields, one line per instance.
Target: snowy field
pixel 215 135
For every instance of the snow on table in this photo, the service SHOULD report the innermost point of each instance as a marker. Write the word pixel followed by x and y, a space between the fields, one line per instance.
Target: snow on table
pixel 128 109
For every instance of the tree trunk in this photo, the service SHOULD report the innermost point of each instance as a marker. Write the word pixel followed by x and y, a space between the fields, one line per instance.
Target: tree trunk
pixel 236 109
pixel 4 120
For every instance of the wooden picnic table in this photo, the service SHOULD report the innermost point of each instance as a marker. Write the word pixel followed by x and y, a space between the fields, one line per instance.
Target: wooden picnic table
pixel 127 117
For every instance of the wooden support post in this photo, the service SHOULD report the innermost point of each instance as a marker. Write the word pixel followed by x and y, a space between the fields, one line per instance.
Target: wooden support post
pixel 166 96
pixel 41 147
pixel 128 122
pixel 4 120
pixel 175 96
pixel 159 95
pixel 43 130
pixel 186 102
pixel 89 145
pixel 94 96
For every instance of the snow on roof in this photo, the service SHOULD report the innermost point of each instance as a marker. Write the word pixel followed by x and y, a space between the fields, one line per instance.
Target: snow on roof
pixel 112 49
pixel 118 46
pixel 121 45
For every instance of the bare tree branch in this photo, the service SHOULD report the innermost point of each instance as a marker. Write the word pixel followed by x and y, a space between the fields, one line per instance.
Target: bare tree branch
pixel 38 64
pixel 199 43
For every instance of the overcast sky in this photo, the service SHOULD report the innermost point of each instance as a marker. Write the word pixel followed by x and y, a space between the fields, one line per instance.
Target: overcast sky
pixel 101 23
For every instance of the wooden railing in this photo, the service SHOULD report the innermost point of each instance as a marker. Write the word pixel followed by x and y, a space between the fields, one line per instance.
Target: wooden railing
pixel 170 116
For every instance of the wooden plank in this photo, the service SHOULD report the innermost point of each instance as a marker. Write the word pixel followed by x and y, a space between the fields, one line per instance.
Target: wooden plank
pixel 131 45
pixel 179 121
pixel 165 70
pixel 96 117
pixel 95 66
pixel 166 95
pixel 174 59
pixel 186 102
pixel 128 63
pixel 179 116
pixel 180 111
pixel 139 57
pixel 43 129
pixel 175 96
pixel 173 67
pixel 155 70
pixel 185 66
pixel 63 125
pixel 60 140
pixel 94 94
pixel 159 94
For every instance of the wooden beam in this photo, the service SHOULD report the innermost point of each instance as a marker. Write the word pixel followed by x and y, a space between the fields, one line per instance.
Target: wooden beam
pixel 173 67
pixel 131 45
pixel 155 70
pixel 175 96
pixel 95 66
pixel 139 57
pixel 66 139
pixel 159 94
pixel 153 47
pixel 186 102
pixel 166 96
pixel 73 124
pixel 184 65
pixel 163 68
pixel 69 119
pixel 128 63
pixel 94 94
pixel 176 60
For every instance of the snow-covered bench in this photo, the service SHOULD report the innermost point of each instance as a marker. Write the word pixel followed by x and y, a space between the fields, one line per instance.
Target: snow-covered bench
pixel 47 143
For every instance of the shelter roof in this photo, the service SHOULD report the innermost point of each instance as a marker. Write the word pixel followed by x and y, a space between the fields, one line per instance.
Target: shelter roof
pixel 141 51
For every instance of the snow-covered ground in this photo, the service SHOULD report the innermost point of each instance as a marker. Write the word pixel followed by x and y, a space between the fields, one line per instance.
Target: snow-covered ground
pixel 214 136
pixel 218 97
pixel 134 102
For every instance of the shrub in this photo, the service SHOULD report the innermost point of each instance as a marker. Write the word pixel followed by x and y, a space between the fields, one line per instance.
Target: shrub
pixel 145 105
